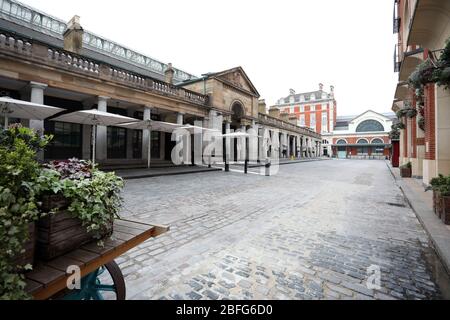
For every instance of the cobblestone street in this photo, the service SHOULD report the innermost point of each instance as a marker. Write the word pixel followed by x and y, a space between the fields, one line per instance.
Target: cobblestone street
pixel 310 232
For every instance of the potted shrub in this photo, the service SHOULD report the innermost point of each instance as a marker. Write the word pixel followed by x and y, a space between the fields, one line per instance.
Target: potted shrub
pixel 82 202
pixel 444 191
pixel 436 184
pixel 19 191
pixel 406 170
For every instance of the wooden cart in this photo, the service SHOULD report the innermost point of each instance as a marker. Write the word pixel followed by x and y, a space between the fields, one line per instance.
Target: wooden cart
pixel 48 280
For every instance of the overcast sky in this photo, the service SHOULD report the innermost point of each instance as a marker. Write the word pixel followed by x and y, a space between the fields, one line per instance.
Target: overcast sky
pixel 280 44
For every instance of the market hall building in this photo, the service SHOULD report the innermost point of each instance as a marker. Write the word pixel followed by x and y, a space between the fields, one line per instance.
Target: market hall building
pixel 365 136
pixel 46 60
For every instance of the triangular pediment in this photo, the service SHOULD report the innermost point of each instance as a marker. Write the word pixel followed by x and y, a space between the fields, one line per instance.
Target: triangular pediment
pixel 238 78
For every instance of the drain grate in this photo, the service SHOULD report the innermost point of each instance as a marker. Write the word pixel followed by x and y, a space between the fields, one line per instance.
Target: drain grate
pixel 401 205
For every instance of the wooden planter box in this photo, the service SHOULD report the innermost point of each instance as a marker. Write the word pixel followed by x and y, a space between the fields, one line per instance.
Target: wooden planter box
pixel 405 172
pixel 27 257
pixel 445 209
pixel 60 233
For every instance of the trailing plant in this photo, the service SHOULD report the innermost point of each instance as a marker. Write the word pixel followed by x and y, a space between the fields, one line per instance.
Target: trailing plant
pixel 422 75
pixel 19 191
pixel 398 126
pixel 421 123
pixel 94 196
pixel 442 72
pixel 401 113
pixel 395 133
pixel 411 113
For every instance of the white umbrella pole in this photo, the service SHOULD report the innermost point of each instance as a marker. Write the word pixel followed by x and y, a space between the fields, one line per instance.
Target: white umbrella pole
pixel 149 151
pixel 94 133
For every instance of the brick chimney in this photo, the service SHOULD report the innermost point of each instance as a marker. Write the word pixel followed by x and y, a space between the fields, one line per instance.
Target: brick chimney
pixel 169 74
pixel 73 36
pixel 332 91
pixel 262 106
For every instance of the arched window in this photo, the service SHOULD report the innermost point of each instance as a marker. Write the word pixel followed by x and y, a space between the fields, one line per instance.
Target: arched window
pixel 377 141
pixel 341 141
pixel 363 141
pixel 370 126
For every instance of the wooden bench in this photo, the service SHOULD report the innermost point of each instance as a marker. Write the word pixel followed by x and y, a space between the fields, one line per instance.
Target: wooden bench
pixel 49 278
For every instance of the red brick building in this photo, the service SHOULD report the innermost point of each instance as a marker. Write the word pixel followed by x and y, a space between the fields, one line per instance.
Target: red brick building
pixel 316 110
pixel 423 29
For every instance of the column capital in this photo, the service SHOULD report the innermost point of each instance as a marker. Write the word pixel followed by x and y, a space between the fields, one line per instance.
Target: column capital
pixel 103 98
pixel 38 85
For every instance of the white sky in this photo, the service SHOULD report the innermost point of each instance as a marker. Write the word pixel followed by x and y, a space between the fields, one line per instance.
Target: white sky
pixel 280 44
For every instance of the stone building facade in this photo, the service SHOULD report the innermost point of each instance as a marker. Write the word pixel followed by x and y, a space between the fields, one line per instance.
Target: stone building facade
pixel 45 60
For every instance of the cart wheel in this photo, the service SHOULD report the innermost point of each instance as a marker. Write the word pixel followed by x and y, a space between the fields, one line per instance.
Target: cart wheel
pixel 118 280
pixel 92 286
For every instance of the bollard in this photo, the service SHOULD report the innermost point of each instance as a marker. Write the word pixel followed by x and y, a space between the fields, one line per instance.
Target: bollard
pixel 267 165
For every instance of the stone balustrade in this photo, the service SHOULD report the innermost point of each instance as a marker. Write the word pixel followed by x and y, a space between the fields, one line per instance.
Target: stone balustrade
pixel 71 61
pixel 15 44
pixel 128 77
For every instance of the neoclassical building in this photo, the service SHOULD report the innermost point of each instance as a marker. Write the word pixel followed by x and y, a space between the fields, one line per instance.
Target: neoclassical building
pixel 46 60
pixel 365 136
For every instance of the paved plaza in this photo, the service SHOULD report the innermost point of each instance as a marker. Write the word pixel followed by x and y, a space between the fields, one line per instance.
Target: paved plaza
pixel 309 232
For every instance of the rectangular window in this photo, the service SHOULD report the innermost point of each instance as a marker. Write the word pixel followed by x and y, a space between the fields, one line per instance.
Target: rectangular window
pixel 302 108
pixel 67 135
pixel 324 121
pixel 302 120
pixel 313 120
pixel 313 108
pixel 117 143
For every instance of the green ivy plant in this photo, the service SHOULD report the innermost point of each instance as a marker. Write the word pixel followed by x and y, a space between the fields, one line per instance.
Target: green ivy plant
pixel 19 192
pixel 94 196
pixel 442 72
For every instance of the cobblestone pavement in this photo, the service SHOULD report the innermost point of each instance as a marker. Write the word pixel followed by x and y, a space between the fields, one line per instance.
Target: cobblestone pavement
pixel 310 232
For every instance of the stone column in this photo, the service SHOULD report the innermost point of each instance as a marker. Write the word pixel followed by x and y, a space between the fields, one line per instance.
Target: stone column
pixel 129 154
pixel 146 134
pixel 229 152
pixel 101 148
pixel 37 96
pixel 186 141
pixel 180 117
pixel 288 146
pixel 243 142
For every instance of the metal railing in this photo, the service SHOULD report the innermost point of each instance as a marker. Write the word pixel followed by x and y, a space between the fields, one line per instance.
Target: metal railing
pixel 29 17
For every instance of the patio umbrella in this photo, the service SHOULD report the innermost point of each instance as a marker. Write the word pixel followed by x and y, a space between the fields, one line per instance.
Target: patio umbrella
pixel 94 118
pixel 13 108
pixel 151 125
